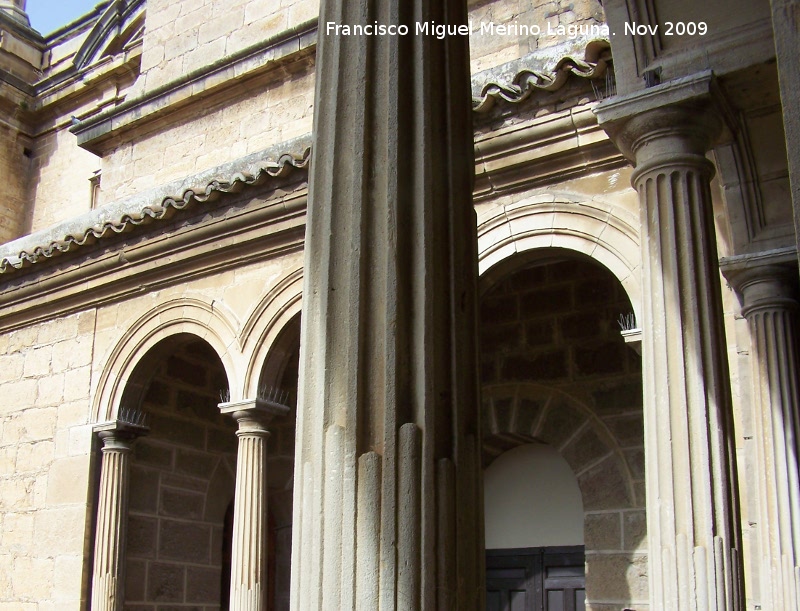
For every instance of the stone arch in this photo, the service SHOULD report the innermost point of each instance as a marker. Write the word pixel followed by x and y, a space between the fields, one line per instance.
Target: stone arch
pixel 603 232
pixel 267 325
pixel 179 316
pixel 515 414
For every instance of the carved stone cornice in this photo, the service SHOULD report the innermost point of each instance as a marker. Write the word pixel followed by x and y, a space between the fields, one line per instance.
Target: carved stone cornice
pixel 122 217
pixel 526 82
pixel 681 117
pixel 542 151
pixel 766 280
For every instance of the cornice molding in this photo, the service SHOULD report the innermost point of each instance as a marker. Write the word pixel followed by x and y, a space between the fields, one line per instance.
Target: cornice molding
pixel 122 217
pixel 597 58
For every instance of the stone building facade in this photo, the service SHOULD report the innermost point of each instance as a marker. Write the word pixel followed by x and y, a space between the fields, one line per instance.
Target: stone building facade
pixel 258 351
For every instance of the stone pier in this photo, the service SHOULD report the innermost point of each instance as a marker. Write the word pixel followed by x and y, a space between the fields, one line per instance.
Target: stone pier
pixel 388 503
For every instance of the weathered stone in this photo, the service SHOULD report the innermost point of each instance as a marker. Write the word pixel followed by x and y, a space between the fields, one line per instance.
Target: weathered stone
pixel 604 487
pixel 607 575
pixel 544 366
pixel 603 531
pixel 184 541
pixel 194 463
pixel 585 449
pixel 165 582
pixel 153 453
pixel 181 504
pixel 600 358
pixel 135 580
pixel 202 586
pixel 545 301
pixel 634 533
pixel 142 537
pixel 143 489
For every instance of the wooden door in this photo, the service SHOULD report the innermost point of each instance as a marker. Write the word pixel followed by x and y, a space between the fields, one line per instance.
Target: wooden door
pixel 536 579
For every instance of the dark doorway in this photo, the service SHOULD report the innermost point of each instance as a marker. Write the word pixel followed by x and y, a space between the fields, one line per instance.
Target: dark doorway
pixel 536 579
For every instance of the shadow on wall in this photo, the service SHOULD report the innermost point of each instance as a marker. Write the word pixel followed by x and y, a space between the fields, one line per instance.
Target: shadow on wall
pixel 556 371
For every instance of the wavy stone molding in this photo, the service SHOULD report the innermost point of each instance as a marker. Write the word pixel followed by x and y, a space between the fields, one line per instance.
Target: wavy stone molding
pixel 597 58
pixel 98 224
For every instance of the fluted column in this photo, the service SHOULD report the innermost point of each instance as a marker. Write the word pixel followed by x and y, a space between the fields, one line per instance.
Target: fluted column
pixel 692 501
pixel 387 503
pixel 769 295
pixel 108 579
pixel 250 528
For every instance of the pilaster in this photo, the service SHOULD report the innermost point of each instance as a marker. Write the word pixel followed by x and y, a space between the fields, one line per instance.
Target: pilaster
pixel 108 578
pixel 388 507
pixel 250 526
pixel 769 302
pixel 692 501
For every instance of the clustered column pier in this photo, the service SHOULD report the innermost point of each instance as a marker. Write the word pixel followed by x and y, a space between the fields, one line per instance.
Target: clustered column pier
pixel 388 504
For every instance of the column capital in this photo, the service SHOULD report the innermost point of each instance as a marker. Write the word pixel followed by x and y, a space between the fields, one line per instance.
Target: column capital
pixel 119 434
pixel 253 415
pixel 763 280
pixel 680 118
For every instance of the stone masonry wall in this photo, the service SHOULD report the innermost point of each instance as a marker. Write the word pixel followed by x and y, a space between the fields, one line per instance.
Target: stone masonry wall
pixel 14 163
pixel 490 48
pixel 219 133
pixel 182 480
pixel 556 325
pixel 184 35
pixel 45 452
pixel 59 179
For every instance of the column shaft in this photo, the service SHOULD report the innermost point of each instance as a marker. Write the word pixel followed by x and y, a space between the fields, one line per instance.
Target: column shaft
pixel 388 509
pixel 108 578
pixel 771 312
pixel 249 590
pixel 687 406
pixel 249 551
pixel 692 500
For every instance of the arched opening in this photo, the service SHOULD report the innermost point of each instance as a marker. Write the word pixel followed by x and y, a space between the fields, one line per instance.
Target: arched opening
pixel 556 371
pixel 182 478
pixel 279 377
pixel 518 514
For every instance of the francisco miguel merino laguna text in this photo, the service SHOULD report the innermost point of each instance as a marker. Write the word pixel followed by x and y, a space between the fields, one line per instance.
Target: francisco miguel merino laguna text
pixel 441 30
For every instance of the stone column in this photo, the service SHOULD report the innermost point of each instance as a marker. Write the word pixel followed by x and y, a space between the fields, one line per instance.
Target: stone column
pixel 108 579
pixel 250 529
pixel 769 296
pixel 692 501
pixel 387 502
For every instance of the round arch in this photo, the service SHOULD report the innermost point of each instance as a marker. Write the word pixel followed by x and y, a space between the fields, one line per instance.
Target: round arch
pixel 266 324
pixel 179 316
pixel 516 414
pixel 548 221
